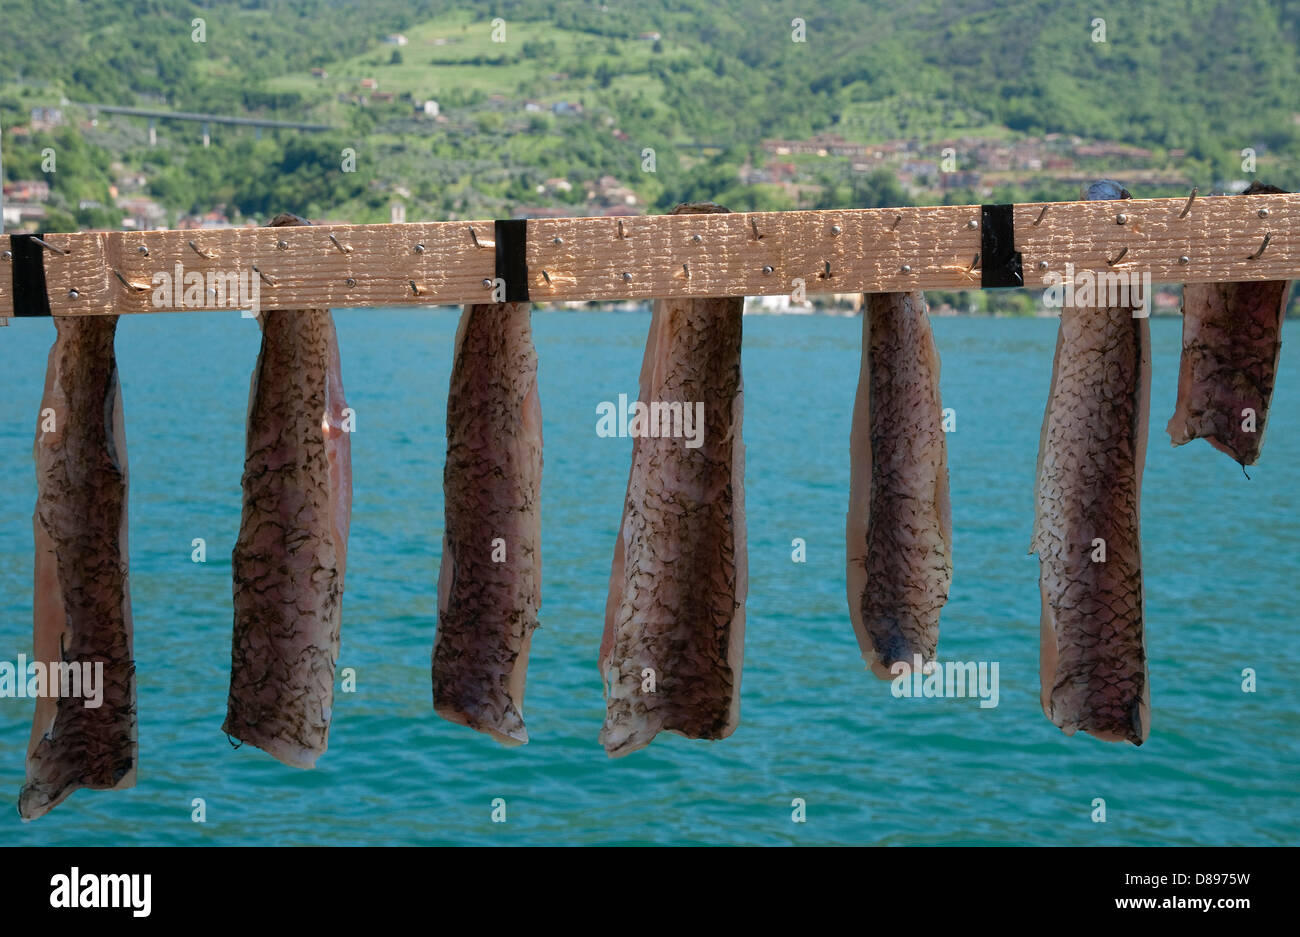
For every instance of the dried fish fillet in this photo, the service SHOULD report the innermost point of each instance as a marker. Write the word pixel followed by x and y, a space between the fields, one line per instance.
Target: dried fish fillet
pixel 673 645
pixel 82 601
pixel 1093 662
pixel 1232 341
pixel 289 560
pixel 900 516
pixel 490 583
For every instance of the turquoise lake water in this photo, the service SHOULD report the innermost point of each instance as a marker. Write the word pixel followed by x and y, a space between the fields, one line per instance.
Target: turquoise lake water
pixel 1221 565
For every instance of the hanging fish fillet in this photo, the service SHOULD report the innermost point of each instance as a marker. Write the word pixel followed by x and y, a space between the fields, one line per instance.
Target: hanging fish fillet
pixel 1093 663
pixel 675 614
pixel 900 517
pixel 490 582
pixel 1232 340
pixel 289 560
pixel 82 600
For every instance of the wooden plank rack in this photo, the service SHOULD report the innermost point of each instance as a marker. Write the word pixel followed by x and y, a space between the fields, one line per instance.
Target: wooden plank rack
pixel 1210 239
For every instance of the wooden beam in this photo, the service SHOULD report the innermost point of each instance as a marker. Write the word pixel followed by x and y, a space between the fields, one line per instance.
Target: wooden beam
pixel 738 254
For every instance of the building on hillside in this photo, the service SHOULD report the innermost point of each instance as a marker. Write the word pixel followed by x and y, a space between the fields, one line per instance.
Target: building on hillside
pixel 47 118
pixel 212 220
pixel 26 216
pixel 912 169
pixel 319 73
pixel 142 214
pixel 962 179
pixel 369 84
pixel 394 39
pixel 1111 151
pixel 35 190
pixel 608 192
pixel 822 144
pixel 128 179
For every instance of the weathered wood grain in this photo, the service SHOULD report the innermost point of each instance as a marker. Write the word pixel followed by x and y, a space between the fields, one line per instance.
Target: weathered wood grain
pixel 660 256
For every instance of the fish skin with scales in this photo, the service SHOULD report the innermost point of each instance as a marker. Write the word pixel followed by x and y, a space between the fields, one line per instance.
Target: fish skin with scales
pixel 490 579
pixel 676 601
pixel 82 603
pixel 1092 451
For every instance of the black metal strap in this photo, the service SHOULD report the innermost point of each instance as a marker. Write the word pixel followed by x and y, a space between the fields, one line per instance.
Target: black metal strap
pixel 999 259
pixel 30 295
pixel 512 258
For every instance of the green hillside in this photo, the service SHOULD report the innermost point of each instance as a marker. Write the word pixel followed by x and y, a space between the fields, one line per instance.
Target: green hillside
pixel 1192 83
